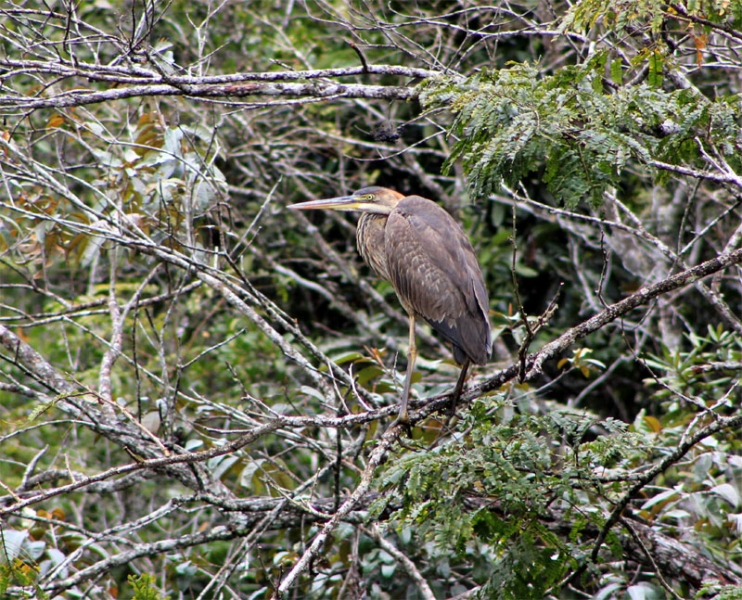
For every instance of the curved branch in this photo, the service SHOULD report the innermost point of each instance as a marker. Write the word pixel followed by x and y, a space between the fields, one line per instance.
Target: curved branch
pixel 614 311
pixel 376 458
pixel 319 91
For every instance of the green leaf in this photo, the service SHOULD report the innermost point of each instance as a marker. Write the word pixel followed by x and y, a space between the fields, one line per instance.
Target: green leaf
pixel 617 71
pixel 656 63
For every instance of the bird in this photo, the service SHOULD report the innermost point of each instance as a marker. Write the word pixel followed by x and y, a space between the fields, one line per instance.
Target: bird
pixel 418 247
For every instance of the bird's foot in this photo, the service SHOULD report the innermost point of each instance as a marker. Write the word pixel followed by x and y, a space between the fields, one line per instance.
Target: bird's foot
pixel 451 409
pixel 403 419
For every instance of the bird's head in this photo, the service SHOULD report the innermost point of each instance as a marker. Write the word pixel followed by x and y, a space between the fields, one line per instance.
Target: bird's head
pixel 372 199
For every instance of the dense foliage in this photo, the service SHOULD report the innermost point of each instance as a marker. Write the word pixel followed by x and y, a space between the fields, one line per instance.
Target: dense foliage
pixel 197 385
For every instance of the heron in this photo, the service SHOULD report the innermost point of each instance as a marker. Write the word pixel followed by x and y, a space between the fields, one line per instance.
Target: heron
pixel 422 251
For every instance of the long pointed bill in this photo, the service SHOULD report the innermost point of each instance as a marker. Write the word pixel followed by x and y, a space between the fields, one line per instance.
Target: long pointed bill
pixel 340 203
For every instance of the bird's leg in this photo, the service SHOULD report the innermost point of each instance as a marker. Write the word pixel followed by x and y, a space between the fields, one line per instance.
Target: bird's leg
pixel 411 357
pixel 459 386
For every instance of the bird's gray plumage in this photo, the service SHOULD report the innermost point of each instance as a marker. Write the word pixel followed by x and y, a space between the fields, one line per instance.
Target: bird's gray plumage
pixel 417 246
pixel 433 268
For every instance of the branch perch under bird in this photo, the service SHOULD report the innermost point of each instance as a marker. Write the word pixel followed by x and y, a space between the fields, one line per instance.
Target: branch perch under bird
pixel 418 247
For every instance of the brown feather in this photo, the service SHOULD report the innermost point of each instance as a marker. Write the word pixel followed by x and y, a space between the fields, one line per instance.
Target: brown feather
pixel 434 270
pixel 416 245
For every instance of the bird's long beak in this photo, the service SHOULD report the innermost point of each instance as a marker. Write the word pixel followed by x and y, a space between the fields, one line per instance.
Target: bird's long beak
pixel 339 203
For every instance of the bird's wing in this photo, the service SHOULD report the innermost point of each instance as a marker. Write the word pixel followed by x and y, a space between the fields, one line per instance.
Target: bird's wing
pixel 436 275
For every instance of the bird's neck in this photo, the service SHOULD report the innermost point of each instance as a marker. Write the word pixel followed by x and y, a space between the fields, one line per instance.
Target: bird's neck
pixel 371 243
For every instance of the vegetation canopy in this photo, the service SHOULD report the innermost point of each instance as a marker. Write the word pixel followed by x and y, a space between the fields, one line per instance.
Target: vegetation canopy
pixel 197 385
